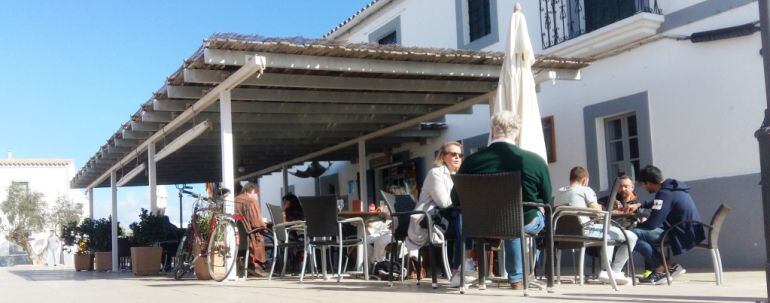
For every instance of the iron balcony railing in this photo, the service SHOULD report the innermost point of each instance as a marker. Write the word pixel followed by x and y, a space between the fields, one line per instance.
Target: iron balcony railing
pixel 562 20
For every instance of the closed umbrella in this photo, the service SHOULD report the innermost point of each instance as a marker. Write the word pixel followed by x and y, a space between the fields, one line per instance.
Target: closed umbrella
pixel 516 89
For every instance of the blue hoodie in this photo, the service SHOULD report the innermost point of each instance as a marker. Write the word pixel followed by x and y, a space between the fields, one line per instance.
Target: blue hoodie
pixel 672 205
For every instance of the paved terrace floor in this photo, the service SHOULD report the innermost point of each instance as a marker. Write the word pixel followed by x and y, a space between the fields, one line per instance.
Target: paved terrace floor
pixel 64 285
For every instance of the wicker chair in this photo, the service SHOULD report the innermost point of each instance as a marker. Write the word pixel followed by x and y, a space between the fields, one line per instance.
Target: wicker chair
pixel 323 229
pixel 712 241
pixel 401 208
pixel 492 208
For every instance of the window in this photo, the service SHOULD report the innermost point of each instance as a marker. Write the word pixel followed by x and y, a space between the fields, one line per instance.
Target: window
pixel 550 138
pixel 617 137
pixel 23 185
pixel 479 21
pixel 622 143
pixel 388 33
pixel 391 38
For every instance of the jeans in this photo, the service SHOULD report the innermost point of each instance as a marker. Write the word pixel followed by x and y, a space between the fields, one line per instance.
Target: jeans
pixel 513 264
pixel 455 219
pixel 648 246
pixel 615 234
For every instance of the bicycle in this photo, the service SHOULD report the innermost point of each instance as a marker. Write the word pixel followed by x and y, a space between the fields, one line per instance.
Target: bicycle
pixel 221 247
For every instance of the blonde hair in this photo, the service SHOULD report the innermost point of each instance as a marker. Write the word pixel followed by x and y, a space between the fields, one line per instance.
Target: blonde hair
pixel 504 124
pixel 443 151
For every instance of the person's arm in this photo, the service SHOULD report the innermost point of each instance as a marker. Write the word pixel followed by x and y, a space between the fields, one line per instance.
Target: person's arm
pixel 438 189
pixel 594 205
pixel 660 208
pixel 545 189
pixel 592 201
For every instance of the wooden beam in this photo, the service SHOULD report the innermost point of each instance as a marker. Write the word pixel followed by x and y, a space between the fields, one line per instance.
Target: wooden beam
pixel 351 65
pixel 202 76
pixel 318 96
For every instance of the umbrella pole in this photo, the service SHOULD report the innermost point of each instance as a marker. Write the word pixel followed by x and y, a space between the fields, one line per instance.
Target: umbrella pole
pixel 763 133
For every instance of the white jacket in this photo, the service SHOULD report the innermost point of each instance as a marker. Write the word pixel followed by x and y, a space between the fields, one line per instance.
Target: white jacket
pixel 436 192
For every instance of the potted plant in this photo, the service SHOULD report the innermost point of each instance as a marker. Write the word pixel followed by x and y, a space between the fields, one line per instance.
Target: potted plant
pixel 79 236
pixel 100 242
pixel 200 264
pixel 146 255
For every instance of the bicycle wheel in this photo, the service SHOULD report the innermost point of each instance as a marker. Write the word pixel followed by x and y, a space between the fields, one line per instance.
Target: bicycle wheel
pixel 183 257
pixel 222 250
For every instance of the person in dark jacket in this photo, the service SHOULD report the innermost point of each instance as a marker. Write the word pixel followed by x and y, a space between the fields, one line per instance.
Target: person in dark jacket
pixel 672 205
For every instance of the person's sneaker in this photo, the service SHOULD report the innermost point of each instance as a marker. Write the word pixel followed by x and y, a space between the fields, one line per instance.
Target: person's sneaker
pixel 257 271
pixel 455 281
pixel 620 278
pixel 517 285
pixel 655 278
pixel 646 273
pixel 676 271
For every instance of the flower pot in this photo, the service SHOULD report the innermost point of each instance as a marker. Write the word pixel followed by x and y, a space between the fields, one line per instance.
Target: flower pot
pixel 202 269
pixel 84 262
pixel 146 260
pixel 103 261
pixel 200 264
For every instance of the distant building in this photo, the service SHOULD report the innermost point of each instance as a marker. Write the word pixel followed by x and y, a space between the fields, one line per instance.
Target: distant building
pixel 49 177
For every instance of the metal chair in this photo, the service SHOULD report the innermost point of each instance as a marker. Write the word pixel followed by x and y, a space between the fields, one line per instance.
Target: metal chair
pixel 569 234
pixel 492 207
pixel 281 238
pixel 401 208
pixel 323 229
pixel 712 241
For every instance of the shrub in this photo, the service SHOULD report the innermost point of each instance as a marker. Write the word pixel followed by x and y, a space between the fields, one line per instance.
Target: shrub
pixel 149 230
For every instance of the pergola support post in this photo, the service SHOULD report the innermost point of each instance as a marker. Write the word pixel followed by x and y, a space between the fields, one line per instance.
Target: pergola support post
pixel 228 157
pixel 114 220
pixel 362 190
pixel 152 178
pixel 285 172
pixel 90 202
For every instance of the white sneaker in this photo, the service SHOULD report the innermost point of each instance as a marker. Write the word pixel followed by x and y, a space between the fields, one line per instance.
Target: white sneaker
pixel 620 278
pixel 455 281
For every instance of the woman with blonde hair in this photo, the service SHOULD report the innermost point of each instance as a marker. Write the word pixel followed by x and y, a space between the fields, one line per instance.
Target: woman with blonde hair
pixel 435 198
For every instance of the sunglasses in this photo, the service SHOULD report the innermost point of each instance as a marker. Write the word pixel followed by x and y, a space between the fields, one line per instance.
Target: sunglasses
pixel 453 154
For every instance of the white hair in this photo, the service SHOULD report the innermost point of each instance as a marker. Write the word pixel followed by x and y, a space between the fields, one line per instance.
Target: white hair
pixel 504 124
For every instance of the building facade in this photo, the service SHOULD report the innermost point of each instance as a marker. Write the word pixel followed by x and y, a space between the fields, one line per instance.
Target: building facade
pixel 676 84
pixel 50 177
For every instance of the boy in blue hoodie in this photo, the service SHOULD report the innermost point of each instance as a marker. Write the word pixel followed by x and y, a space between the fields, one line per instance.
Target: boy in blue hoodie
pixel 672 204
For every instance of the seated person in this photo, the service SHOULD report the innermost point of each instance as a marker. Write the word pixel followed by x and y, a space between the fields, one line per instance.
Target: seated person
pixel 672 204
pixel 578 194
pixel 247 204
pixel 436 196
pixel 627 196
pixel 502 155
pixel 378 234
pixel 292 209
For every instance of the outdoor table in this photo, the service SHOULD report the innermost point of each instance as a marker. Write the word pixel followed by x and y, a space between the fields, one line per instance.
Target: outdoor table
pixel 378 215
pixel 625 220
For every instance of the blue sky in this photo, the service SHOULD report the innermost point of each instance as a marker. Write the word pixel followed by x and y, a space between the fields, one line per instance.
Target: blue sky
pixel 74 71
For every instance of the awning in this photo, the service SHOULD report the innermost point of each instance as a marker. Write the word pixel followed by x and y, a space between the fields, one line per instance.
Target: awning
pixel 314 96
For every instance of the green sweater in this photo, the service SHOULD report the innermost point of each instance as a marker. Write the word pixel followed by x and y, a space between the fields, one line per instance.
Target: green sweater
pixel 505 157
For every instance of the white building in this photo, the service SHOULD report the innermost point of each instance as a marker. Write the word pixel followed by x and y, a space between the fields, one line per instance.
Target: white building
pixel 49 177
pixel 662 90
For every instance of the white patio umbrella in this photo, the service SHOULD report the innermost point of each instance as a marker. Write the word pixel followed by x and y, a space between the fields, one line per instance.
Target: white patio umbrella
pixel 516 89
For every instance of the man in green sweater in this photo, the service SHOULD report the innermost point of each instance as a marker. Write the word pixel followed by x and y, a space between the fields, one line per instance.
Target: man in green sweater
pixel 502 155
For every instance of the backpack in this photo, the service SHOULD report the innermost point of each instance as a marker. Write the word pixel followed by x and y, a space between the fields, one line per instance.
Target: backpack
pixel 382 270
